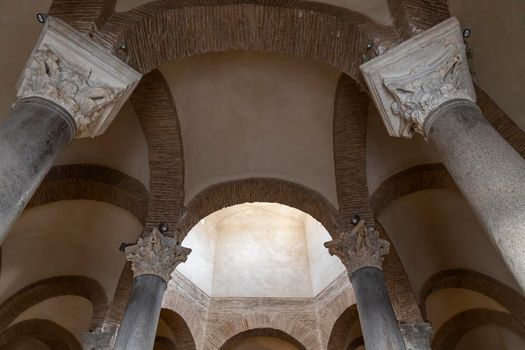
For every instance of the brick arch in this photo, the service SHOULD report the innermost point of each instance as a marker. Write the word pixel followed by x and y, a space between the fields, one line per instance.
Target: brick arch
pixel 350 129
pixel 157 115
pixel 357 342
pixel 163 343
pixel 178 29
pixel 261 332
pixel 414 16
pixel 477 282
pixel 54 336
pixel 345 322
pixel 42 290
pixel 417 178
pixel 349 144
pixel 92 182
pixel 270 190
pixel 451 332
pixel 178 326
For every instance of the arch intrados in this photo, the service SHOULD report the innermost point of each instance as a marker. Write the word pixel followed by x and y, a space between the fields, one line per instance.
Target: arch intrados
pixel 92 182
pixel 342 327
pixel 57 286
pixel 48 332
pixel 477 282
pixel 451 332
pixel 322 32
pixel 265 190
pixel 261 332
pixel 179 328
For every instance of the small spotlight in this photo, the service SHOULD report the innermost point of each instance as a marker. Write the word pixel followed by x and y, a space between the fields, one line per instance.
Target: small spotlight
pixel 466 33
pixel 41 17
pixel 369 46
pixel 163 228
pixel 355 219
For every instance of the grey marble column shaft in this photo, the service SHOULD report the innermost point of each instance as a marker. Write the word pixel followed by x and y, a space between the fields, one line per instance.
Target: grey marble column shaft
pixel 378 322
pixel 139 323
pixel 489 173
pixel 30 141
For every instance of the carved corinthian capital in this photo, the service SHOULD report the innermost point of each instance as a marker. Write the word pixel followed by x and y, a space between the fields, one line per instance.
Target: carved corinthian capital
pixel 69 69
pixel 101 338
pixel 411 80
pixel 156 254
pixel 417 335
pixel 359 248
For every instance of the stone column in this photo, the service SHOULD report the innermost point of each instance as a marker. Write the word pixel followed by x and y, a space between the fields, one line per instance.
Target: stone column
pixel 153 259
pixel 424 86
pixel 362 251
pixel 101 338
pixel 70 88
pixel 417 335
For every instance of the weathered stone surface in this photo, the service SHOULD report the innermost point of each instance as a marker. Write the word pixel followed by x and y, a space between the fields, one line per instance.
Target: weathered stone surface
pixel 411 80
pixel 378 322
pixel 101 338
pixel 69 69
pixel 139 324
pixel 156 254
pixel 359 248
pixel 30 140
pixel 417 335
pixel 489 174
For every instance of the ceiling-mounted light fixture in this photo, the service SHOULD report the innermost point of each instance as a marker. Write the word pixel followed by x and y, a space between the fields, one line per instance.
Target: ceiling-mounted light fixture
pixel 41 17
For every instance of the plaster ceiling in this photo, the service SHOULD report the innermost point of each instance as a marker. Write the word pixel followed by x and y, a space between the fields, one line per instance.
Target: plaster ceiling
pixel 490 337
pixel 260 250
pixel 67 238
pixel 498 47
pixel 262 343
pixel 249 114
pixel 71 312
pixel 435 230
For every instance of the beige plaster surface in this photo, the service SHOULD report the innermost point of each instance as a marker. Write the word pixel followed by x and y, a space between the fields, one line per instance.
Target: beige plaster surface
pixel 491 337
pixel 445 303
pixel 163 330
pixel 25 344
pixel 71 312
pixel 67 238
pixel 497 42
pixel 386 155
pixel 252 114
pixel 436 230
pixel 260 250
pixel 376 9
pixel 324 268
pixel 262 343
pixel 122 147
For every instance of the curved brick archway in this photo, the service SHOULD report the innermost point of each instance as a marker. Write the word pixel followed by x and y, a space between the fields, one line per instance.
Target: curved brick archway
pixel 52 287
pixel 459 325
pixel 157 115
pixel 261 332
pixel 181 332
pixel 54 336
pixel 175 30
pixel 268 190
pixel 342 327
pixel 92 182
pixel 477 282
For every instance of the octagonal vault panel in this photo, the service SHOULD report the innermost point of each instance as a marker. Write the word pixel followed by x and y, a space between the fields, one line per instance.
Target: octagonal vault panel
pixel 260 250
pixel 251 114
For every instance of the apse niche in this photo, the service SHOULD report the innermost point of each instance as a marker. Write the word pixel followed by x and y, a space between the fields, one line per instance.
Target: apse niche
pixel 260 250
